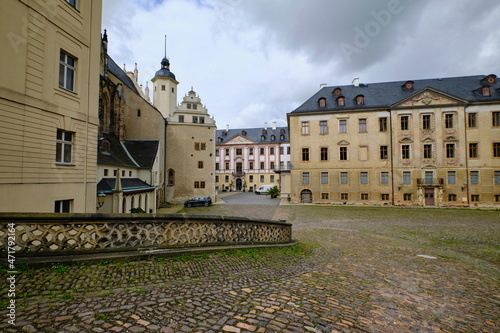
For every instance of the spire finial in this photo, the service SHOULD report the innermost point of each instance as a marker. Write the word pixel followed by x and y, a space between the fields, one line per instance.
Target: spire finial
pixel 165 46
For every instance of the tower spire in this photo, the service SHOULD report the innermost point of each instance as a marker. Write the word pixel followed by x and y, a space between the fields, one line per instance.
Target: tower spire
pixel 165 46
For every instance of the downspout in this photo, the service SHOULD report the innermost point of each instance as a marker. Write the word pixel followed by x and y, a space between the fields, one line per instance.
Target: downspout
pixel 392 156
pixel 165 162
pixel 467 176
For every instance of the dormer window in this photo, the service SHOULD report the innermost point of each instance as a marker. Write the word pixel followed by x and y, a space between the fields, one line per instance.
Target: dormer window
pixel 360 100
pixel 262 137
pixel 408 86
pixel 322 102
pixel 273 137
pixel 486 91
pixel 337 91
pixel 282 131
pixel 282 137
pixel 220 139
pixel 224 133
pixel 491 79
pixel 341 101
pixel 264 131
pixel 243 132
pixel 105 147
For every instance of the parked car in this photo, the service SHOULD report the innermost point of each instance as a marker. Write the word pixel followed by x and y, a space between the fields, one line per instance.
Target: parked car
pixel 263 189
pixel 198 201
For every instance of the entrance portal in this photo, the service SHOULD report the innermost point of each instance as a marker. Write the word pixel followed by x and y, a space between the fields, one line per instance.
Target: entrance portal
pixel 238 184
pixel 429 197
pixel 306 196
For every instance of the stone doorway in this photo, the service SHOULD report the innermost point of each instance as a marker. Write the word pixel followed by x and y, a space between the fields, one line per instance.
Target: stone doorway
pixel 306 196
pixel 429 197
pixel 239 184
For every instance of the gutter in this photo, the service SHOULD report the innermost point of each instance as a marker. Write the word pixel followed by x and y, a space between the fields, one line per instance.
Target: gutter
pixel 467 176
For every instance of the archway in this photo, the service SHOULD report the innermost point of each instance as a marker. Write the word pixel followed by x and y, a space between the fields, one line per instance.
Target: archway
pixel 239 184
pixel 306 196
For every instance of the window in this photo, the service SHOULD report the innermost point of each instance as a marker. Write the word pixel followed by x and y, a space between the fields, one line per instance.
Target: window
pixel 325 196
pixel 181 118
pixel 324 178
pixel 363 178
pixel 496 149
pixel 64 147
pixel 384 152
pixel 497 197
pixel 67 71
pixel 115 172
pixel 384 197
pixel 427 151
pixel 324 154
pixel 138 113
pixel 322 102
pixel 227 152
pixel 452 197
pixel 474 177
pixel 199 184
pixel 364 196
pixel 217 179
pixel 452 177
pixel 474 198
pixel 195 119
pixel 305 128
pixel 405 152
pixel 106 147
pixel 262 151
pixel 305 178
pixel 429 176
pixel 63 206
pixel 271 165
pixel 262 178
pixel 250 178
pixel 251 165
pixel 271 150
pixel 130 173
pixel 343 153
pixel 217 152
pixel 323 127
pixel 226 179
pixel 486 91
pixel 106 172
pixel 288 150
pixel 227 166
pixel 405 123
pixel 282 150
pixel 305 154
pixel 239 151
pixel 202 120
pixel 273 137
pixel 472 120
pixel 360 100
pixel 407 197
pixel 217 166
pixel 203 146
pixel 200 164
pixel 72 2
pixel 262 165
pixel 271 179
pixel 344 196
pixel 123 173
pixel 406 177
pixel 384 178
pixel 450 150
pixel 496 119
pixel 250 151
pixel 382 124
pixel 426 122
pixel 343 126
pixel 448 120
pixel 340 101
pixel 473 150
pixel 262 137
pixel 362 125
pixel 343 178
pixel 497 177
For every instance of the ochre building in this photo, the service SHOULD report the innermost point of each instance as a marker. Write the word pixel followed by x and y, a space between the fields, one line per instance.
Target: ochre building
pixel 433 142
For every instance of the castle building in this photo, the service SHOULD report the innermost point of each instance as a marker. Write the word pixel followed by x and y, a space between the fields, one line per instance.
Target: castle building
pixel 49 92
pixel 433 142
pixel 247 158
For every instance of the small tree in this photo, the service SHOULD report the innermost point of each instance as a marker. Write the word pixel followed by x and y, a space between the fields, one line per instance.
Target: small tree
pixel 273 192
pixel 244 186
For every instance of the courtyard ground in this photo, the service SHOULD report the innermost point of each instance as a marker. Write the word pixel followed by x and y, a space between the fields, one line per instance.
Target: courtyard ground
pixel 355 269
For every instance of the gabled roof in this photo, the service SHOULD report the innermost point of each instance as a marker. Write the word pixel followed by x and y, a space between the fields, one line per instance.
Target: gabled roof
pixel 253 134
pixel 143 151
pixel 118 154
pixel 385 94
pixel 107 185
pixel 114 69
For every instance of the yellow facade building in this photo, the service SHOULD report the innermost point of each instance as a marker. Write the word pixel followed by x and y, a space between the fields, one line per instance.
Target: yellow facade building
pixel 49 92
pixel 432 142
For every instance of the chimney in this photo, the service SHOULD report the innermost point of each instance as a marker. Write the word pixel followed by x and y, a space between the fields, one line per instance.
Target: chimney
pixel 227 127
pixel 265 125
pixel 355 82
pixel 274 125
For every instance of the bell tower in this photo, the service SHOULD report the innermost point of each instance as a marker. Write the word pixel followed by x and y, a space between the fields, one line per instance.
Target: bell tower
pixel 165 88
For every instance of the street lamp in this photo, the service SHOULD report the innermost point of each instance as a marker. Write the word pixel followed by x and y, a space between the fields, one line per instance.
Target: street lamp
pixel 100 199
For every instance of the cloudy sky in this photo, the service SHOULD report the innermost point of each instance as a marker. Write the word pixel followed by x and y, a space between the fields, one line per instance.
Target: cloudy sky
pixel 253 61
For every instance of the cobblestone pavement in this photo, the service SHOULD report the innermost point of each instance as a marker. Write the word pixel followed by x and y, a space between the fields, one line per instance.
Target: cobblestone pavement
pixel 334 281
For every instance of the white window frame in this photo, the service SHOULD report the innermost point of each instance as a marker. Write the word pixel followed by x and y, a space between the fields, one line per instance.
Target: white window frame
pixel 65 68
pixel 62 144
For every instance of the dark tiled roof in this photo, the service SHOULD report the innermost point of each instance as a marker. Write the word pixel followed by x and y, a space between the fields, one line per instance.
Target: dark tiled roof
pixel 253 134
pixel 114 69
pixel 143 151
pixel 107 185
pixel 385 94
pixel 165 69
pixel 117 155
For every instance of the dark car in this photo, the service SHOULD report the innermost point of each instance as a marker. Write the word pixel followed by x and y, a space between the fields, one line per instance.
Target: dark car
pixel 198 201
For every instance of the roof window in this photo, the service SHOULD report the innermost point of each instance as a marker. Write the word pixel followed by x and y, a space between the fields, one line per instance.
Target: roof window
pixel 322 102
pixel 341 101
pixel 408 86
pixel 337 91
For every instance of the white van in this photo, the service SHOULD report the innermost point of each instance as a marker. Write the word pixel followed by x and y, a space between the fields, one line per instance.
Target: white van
pixel 263 189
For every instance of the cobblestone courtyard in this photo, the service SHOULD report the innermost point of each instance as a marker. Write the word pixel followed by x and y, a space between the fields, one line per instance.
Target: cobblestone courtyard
pixel 354 270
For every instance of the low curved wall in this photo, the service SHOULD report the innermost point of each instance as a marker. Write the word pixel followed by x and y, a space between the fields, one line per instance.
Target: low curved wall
pixel 70 234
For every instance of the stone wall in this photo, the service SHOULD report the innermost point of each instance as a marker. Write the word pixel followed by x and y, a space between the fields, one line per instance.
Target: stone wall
pixel 73 234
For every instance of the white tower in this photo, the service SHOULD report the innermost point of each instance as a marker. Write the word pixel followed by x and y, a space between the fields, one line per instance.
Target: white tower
pixel 165 88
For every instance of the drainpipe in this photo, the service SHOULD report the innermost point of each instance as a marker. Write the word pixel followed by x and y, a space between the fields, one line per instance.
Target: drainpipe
pixel 392 156
pixel 467 177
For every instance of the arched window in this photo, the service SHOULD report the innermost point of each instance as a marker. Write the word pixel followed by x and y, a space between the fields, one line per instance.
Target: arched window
pixel 282 137
pixel 273 137
pixel 262 137
pixel 322 102
pixel 408 85
pixel 360 100
pixel 340 101
pixel 282 131
pixel 171 177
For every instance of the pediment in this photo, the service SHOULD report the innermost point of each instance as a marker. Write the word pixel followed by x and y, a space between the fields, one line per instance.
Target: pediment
pixel 406 140
pixel 450 138
pixel 239 140
pixel 343 143
pixel 429 97
pixel 426 140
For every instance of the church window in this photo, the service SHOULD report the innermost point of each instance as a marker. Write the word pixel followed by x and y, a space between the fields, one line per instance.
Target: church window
pixel 67 66
pixel 171 177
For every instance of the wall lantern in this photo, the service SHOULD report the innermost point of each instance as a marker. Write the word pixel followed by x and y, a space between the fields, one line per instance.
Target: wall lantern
pixel 100 199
